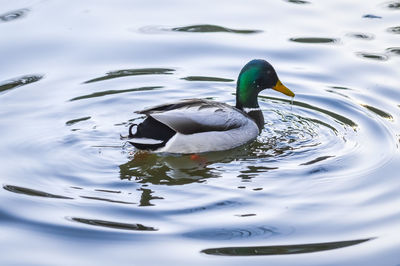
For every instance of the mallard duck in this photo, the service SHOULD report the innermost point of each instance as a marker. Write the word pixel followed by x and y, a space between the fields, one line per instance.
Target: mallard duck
pixel 198 125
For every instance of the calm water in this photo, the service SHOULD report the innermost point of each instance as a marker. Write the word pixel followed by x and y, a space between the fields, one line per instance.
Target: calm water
pixel 320 186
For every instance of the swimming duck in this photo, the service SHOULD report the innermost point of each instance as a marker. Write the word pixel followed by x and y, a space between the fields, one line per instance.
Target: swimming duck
pixel 198 125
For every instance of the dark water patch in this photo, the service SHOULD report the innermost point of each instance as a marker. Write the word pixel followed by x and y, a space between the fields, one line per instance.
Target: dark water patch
pixel 62 231
pixel 132 72
pixel 319 40
pixel 215 206
pixel 13 15
pixel 362 36
pixel 340 88
pixel 340 118
pixel 108 191
pixel 111 92
pixel 323 124
pixel 32 192
pixel 202 78
pixel 395 30
pixel 318 170
pixel 394 5
pixel 233 233
pixel 393 50
pixel 371 16
pixel 247 177
pixel 281 250
pixel 74 121
pixel 113 225
pixel 379 112
pixel 316 160
pixel 108 200
pixel 336 91
pixel 207 28
pixel 257 169
pixel 20 81
pixel 373 56
pixel 299 2
pixel 246 215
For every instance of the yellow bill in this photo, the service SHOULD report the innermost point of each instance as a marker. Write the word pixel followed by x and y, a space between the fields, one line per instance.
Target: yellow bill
pixel 282 88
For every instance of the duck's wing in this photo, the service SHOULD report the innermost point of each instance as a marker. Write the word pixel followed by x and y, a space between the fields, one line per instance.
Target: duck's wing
pixel 197 115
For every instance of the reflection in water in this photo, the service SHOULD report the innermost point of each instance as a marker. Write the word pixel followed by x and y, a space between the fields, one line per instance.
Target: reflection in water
pixel 166 169
pixel 252 169
pixel 113 225
pixel 108 191
pixel 393 50
pixel 337 92
pixel 393 5
pixel 132 72
pixel 314 40
pixel 363 36
pixel 32 192
pixel 246 215
pixel 379 112
pixel 77 120
pixel 146 197
pixel 395 30
pixel 20 81
pixel 110 92
pixel 13 15
pixel 372 16
pixel 317 160
pixel 202 78
pixel 108 200
pixel 212 28
pixel 374 56
pixel 297 1
pixel 340 88
pixel 281 250
pixel 171 169
pixel 200 28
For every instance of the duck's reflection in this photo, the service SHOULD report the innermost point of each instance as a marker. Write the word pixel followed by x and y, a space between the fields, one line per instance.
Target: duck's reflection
pixel 157 169
pixel 168 169
pixel 147 195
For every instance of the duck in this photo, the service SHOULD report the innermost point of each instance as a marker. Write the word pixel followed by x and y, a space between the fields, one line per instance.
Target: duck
pixel 192 126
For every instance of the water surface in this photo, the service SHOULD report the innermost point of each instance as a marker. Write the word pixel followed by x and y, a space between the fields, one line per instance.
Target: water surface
pixel 319 186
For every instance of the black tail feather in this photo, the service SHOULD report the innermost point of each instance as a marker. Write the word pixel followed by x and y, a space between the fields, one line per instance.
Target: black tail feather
pixel 150 128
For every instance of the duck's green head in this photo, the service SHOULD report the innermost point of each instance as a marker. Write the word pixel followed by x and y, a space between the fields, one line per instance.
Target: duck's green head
pixel 256 76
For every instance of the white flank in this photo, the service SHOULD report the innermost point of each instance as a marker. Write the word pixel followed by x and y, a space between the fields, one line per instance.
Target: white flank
pixel 211 141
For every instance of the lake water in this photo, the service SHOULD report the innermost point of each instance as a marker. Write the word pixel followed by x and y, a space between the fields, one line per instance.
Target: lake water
pixel 320 185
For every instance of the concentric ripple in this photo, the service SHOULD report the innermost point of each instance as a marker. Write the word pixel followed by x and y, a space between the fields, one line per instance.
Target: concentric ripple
pixel 297 134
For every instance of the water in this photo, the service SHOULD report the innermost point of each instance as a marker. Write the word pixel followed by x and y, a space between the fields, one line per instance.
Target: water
pixel 318 187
